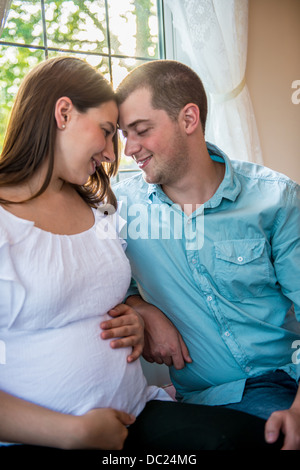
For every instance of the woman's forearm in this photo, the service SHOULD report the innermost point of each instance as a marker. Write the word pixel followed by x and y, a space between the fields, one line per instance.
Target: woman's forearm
pixel 22 422
pixel 27 423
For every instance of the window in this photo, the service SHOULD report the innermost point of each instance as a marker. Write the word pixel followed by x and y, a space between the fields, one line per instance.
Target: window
pixel 112 35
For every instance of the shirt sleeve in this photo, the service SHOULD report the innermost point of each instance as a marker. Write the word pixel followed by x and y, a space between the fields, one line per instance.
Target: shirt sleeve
pixel 286 246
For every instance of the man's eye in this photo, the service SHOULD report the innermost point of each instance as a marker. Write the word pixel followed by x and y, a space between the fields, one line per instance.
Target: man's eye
pixel 142 132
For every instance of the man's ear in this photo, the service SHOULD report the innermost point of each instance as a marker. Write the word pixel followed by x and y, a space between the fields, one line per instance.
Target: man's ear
pixel 190 116
pixel 63 108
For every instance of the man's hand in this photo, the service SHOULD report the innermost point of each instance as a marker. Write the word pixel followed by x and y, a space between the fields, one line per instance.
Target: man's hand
pixel 128 327
pixel 288 422
pixel 163 343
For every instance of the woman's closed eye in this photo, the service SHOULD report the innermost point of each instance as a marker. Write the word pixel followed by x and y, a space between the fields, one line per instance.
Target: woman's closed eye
pixel 106 132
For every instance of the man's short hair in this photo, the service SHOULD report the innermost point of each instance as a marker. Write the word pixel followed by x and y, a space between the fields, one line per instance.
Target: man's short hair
pixel 172 84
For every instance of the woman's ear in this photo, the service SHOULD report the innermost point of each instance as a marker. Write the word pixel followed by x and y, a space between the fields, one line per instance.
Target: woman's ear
pixel 63 108
pixel 190 118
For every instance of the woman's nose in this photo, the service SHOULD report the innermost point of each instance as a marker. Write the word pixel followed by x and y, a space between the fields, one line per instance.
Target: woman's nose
pixel 109 152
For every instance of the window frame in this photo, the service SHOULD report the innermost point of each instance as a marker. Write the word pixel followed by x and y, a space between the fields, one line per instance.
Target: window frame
pixel 109 55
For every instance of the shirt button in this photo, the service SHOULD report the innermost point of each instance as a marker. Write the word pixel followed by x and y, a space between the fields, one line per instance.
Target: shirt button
pixel 194 261
pixel 227 333
pixel 240 259
pixel 209 298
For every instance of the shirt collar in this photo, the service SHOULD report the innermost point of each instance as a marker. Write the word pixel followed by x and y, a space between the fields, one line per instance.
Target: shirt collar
pixel 230 187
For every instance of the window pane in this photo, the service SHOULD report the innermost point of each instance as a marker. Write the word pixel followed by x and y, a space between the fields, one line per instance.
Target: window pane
pixel 133 26
pixel 77 25
pixel 24 23
pixel 15 62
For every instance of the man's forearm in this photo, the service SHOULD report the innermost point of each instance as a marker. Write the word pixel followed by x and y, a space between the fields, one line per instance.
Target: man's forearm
pixel 163 342
pixel 140 305
pixel 133 300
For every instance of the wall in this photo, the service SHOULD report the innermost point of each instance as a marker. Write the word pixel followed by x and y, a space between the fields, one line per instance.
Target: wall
pixel 273 64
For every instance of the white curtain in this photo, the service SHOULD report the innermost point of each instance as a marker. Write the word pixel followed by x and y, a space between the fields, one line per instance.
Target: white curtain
pixel 4 9
pixel 214 35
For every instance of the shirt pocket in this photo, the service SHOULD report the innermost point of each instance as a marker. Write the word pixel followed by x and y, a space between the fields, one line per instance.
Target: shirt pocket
pixel 241 268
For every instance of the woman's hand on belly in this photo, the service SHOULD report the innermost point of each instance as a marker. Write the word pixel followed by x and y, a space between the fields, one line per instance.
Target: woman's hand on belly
pixel 103 428
pixel 128 327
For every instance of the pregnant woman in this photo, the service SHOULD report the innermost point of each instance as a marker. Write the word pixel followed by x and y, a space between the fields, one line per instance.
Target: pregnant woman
pixel 61 384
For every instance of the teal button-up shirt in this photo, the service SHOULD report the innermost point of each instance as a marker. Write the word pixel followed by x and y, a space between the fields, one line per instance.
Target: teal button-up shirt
pixel 227 276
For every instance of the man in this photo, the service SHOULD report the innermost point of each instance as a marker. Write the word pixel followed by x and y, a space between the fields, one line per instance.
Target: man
pixel 214 247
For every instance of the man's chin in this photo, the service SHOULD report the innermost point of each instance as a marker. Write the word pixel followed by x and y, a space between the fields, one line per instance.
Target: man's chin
pixel 150 179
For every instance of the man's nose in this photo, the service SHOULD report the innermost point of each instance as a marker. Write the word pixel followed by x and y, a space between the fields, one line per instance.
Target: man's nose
pixel 132 147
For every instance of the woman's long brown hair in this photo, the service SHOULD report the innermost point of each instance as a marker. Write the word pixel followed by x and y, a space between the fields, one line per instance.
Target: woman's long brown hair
pixel 31 132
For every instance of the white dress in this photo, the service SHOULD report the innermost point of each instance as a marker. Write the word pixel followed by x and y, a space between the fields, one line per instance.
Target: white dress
pixel 54 292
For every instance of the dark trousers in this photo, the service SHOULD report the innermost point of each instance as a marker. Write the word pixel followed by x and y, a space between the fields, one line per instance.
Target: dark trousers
pixel 170 427
pixel 180 427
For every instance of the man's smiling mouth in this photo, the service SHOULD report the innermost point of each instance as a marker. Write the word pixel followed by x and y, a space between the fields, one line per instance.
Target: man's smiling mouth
pixel 143 162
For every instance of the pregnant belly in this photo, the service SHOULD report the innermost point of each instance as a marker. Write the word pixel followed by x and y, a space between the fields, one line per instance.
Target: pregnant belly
pixel 71 370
